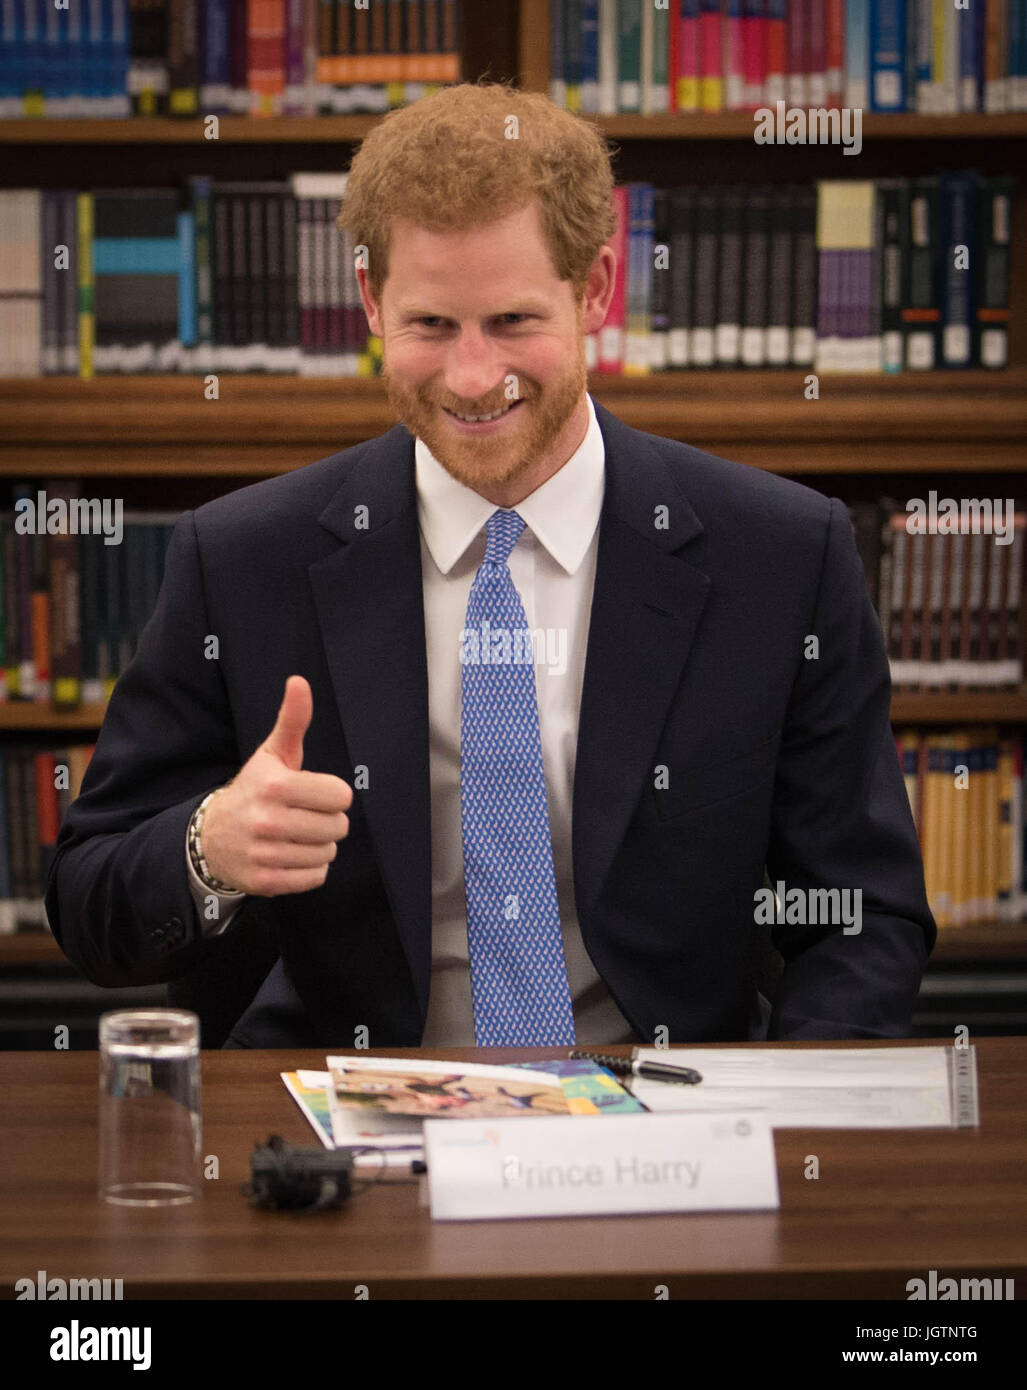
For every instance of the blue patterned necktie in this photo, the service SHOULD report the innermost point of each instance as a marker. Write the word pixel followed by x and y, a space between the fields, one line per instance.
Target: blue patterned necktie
pixel 518 973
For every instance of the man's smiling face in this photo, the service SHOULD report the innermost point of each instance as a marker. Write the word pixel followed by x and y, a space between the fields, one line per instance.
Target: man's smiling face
pixel 477 323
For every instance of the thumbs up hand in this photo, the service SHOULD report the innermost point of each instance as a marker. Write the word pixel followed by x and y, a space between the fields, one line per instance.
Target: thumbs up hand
pixel 274 829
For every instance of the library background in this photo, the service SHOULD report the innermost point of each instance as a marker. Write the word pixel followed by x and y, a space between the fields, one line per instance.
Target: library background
pixel 840 298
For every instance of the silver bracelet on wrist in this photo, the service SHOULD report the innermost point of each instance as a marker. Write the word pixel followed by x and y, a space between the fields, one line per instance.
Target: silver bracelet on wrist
pixel 196 849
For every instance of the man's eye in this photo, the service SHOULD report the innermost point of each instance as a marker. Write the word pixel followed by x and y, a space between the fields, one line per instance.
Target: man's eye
pixel 435 321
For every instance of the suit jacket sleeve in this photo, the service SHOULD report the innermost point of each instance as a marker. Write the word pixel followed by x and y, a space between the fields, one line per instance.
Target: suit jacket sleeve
pixel 841 819
pixel 118 893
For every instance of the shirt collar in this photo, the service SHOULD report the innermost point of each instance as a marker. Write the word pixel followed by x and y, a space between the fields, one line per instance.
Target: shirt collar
pixel 562 514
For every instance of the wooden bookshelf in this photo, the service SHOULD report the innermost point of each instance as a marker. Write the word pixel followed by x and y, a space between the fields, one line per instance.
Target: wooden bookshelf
pixel 941 707
pixel 27 716
pixel 871 427
pixel 172 130
pixel 739 125
pixel 262 425
pixel 31 948
pixel 316 130
pixel 987 941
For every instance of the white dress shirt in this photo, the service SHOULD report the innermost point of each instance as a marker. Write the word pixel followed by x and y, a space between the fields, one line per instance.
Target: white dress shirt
pixel 553 568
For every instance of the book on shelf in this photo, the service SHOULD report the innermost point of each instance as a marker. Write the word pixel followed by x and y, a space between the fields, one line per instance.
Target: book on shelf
pixel 844 275
pixel 78 583
pixel 847 275
pixel 37 785
pixel 965 789
pixel 79 579
pixel 948 590
pixel 619 57
pixel 193 58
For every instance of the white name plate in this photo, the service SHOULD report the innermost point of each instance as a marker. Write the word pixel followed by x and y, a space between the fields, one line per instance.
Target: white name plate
pixel 615 1164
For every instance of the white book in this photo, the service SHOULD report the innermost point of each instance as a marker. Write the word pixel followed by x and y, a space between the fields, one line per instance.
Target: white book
pixel 607 103
pixel 678 347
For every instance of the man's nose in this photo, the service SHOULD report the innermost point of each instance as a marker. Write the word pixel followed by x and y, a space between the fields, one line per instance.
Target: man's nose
pixel 473 369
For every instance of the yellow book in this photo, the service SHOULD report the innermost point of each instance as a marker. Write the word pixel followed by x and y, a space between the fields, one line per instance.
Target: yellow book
pixel 688 94
pixel 978 816
pixel 945 817
pixel 959 848
pixel 909 748
pixel 711 93
pixel 932 784
pixel 1006 773
pixel 84 256
pixel 992 796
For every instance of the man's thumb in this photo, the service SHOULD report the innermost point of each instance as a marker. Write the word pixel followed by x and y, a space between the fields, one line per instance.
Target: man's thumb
pixel 297 709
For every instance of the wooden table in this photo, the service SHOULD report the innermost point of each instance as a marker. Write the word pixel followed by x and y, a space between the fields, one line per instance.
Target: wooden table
pixel 888 1206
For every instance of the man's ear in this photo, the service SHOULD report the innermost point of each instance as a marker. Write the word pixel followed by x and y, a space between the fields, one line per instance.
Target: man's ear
pixel 599 290
pixel 371 309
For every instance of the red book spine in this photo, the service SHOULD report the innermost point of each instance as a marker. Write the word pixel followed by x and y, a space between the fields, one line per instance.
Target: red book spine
pixel 674 56
pixel 265 56
pixel 776 52
pixel 687 27
pixel 798 49
pixel 48 816
pixel 711 82
pixel 835 52
pixel 754 52
pixel 734 56
pixel 816 65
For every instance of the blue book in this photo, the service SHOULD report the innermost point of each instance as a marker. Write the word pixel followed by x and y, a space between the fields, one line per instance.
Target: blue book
pixel 572 53
pixel 557 78
pixel 200 205
pixel 911 52
pixel 58 61
pixel 638 290
pixel 78 76
pixel 49 56
pixel 35 34
pixel 94 58
pixel 857 54
pixel 589 55
pixel 924 96
pixel 216 72
pixel 969 56
pixel 10 61
pixel 958 266
pixel 1017 83
pixel 887 55
pixel 105 81
pixel 136 276
pixel 117 99
pixel 981 13
pixel 186 280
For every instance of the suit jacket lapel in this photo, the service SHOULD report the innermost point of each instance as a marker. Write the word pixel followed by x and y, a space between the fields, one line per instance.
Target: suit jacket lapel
pixel 370 606
pixel 646 606
pixel 368 592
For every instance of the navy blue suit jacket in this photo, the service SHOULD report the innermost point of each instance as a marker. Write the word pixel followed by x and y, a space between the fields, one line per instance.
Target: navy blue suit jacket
pixel 710 576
